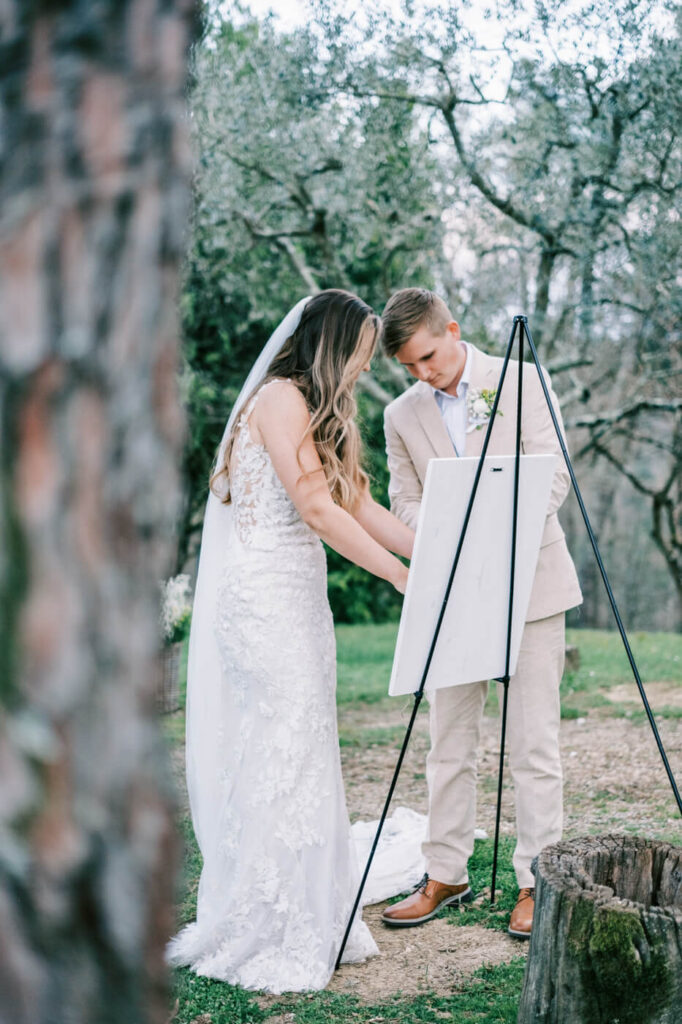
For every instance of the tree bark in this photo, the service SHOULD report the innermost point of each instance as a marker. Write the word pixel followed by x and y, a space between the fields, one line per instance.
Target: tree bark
pixel 606 945
pixel 94 175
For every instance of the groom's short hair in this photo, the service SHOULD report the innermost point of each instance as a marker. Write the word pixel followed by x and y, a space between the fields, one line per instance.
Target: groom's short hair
pixel 407 311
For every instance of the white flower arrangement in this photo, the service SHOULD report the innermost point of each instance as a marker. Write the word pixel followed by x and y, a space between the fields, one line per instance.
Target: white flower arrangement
pixel 176 608
pixel 479 407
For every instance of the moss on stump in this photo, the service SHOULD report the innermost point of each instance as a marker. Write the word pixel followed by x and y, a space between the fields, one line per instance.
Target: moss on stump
pixel 606 946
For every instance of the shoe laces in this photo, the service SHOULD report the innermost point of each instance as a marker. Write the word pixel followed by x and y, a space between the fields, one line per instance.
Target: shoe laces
pixel 526 893
pixel 421 887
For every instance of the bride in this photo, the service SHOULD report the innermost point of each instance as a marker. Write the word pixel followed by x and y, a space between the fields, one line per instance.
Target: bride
pixel 263 767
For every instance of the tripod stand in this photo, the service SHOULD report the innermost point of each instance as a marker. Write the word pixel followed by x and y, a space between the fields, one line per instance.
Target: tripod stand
pixel 521 331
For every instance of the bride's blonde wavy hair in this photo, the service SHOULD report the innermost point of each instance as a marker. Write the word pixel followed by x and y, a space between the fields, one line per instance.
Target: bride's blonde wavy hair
pixel 335 337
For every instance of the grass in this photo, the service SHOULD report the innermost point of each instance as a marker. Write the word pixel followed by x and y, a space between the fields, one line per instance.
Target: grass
pixel 365 656
pixel 604 664
pixel 380 736
pixel 491 994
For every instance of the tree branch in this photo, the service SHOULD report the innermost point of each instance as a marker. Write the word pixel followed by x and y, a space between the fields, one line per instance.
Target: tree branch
pixel 569 363
pixel 643 404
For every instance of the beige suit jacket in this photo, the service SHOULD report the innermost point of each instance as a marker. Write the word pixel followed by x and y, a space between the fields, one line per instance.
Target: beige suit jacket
pixel 415 433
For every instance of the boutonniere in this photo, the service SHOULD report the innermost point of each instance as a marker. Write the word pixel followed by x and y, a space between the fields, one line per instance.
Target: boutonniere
pixel 479 407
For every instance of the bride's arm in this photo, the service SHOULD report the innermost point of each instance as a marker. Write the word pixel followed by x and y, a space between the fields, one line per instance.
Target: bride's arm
pixel 386 528
pixel 279 421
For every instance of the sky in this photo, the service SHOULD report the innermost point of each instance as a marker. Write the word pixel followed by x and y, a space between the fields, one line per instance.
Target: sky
pixel 567 43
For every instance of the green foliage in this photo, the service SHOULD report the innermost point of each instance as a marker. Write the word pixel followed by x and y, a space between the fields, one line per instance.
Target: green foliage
pixel 355 152
pixel 297 189
pixel 564 157
pixel 180 629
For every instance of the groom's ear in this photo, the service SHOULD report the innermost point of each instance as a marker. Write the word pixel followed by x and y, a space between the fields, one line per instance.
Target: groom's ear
pixel 453 329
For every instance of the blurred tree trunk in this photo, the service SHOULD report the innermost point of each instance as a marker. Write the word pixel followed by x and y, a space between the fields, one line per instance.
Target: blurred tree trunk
pixel 94 164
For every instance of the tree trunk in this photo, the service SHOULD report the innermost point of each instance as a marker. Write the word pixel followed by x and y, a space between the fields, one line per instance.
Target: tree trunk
pixel 606 946
pixel 94 170
pixel 542 285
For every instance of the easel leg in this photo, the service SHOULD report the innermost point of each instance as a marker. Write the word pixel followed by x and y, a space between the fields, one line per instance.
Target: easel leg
pixel 602 570
pixel 519 322
pixel 505 683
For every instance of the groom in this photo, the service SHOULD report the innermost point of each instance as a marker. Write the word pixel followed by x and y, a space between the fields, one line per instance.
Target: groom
pixel 441 416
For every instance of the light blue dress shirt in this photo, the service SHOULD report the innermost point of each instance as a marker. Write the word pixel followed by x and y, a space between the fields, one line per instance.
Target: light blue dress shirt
pixel 453 408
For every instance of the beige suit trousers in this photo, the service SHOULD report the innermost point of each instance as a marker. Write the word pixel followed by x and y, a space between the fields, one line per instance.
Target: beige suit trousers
pixel 534 764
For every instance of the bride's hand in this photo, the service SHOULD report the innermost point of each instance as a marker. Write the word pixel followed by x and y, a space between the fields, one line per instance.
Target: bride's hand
pixel 400 581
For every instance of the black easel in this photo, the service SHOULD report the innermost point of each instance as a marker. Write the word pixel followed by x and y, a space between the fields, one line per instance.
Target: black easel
pixel 520 326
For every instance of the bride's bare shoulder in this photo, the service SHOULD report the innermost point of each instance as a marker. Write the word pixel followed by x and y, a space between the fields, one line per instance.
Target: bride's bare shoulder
pixel 280 402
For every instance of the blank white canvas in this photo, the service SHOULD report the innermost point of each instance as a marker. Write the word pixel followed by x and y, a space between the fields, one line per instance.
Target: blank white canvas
pixel 472 641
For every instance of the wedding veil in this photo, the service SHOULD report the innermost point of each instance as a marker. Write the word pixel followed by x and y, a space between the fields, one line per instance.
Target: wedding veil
pixel 206 732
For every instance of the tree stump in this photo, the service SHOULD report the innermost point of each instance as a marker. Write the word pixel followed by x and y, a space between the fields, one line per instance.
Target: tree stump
pixel 606 946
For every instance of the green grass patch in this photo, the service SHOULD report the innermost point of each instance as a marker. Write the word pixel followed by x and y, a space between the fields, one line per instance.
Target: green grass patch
pixel 489 996
pixel 638 716
pixel 603 659
pixel 225 1004
pixel 604 664
pixel 365 656
pixel 380 736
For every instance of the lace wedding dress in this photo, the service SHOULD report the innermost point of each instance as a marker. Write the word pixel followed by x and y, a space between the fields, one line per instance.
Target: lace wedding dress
pixel 280 870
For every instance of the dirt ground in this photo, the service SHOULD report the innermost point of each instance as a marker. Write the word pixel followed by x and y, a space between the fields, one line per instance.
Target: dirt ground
pixel 614 781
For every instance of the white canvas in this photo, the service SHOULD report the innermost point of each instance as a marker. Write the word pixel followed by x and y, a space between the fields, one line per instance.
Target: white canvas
pixel 472 641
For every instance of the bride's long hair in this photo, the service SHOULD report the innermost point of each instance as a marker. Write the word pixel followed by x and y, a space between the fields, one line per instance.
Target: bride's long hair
pixel 335 337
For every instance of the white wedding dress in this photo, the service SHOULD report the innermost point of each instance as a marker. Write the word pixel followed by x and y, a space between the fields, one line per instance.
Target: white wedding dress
pixel 280 869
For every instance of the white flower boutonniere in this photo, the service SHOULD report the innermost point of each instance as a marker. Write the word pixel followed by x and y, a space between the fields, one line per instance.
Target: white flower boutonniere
pixel 479 407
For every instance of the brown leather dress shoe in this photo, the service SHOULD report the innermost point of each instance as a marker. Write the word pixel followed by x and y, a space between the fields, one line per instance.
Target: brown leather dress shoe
pixel 521 920
pixel 427 899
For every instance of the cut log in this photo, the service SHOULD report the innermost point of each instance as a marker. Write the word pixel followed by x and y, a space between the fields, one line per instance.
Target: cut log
pixel 606 946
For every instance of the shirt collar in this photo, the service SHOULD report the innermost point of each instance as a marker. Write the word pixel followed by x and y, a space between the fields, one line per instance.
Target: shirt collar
pixel 464 380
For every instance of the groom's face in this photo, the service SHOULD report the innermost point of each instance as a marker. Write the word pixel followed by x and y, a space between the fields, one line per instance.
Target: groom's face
pixel 437 359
